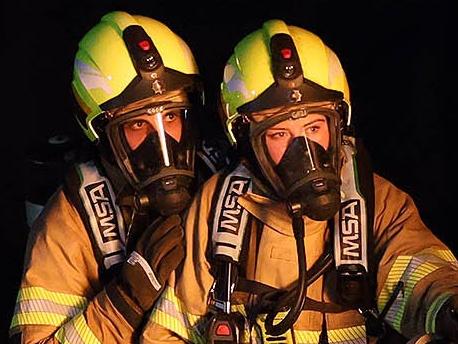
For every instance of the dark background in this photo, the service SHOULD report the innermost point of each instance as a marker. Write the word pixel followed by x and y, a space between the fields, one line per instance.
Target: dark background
pixel 397 55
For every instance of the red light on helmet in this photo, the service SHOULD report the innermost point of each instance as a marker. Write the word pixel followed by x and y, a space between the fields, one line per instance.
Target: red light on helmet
pixel 286 53
pixel 144 45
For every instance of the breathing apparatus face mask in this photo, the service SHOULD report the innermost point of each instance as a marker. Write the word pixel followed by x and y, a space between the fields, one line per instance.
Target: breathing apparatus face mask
pixel 297 150
pixel 154 147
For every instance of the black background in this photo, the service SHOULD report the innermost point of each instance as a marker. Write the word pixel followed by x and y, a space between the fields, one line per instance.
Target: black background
pixel 397 55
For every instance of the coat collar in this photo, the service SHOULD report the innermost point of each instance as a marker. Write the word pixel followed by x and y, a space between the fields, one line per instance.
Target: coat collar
pixel 275 214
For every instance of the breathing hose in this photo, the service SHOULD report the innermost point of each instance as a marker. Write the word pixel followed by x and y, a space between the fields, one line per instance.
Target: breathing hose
pixel 301 289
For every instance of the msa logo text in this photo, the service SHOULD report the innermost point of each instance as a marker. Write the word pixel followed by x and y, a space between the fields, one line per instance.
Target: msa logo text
pixel 231 211
pixel 350 234
pixel 102 208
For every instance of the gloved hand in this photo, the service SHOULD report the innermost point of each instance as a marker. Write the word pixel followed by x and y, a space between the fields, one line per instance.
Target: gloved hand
pixel 447 320
pixel 157 253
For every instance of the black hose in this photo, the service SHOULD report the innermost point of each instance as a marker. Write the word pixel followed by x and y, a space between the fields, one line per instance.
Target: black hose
pixel 301 289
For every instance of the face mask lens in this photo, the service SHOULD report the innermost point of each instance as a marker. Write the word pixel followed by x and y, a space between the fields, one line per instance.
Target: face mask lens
pixel 153 142
pixel 313 127
pixel 297 153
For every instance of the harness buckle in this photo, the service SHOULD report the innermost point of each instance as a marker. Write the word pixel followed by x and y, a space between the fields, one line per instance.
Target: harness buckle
pixel 352 284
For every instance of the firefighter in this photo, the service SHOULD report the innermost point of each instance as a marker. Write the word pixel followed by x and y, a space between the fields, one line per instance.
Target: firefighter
pixel 301 242
pixel 99 253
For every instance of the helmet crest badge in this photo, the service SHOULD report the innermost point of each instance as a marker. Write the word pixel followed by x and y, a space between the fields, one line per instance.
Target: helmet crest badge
pixel 296 96
pixel 157 87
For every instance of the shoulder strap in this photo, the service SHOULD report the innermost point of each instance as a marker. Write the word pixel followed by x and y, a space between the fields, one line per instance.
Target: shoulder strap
pixel 93 196
pixel 230 219
pixel 228 229
pixel 350 223
pixel 366 187
pixel 353 226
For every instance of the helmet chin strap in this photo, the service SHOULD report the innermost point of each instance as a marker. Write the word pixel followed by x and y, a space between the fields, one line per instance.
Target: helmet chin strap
pixel 301 289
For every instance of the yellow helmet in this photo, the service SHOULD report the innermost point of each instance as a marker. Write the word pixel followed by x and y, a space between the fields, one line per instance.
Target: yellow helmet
pixel 140 58
pixel 277 65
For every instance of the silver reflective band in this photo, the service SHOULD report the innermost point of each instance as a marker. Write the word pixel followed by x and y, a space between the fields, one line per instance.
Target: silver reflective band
pixel 161 134
pixel 135 258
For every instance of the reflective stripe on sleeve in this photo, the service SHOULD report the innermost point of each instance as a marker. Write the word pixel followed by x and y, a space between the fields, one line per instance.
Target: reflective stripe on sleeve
pixel 445 255
pixel 38 306
pixel 76 331
pixel 410 269
pixel 169 313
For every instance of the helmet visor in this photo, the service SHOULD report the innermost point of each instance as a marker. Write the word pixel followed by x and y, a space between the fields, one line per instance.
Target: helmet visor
pixel 153 142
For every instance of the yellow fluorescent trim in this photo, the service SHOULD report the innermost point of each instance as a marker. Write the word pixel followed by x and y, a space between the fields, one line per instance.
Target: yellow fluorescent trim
pixel 446 255
pixel 39 293
pixel 38 318
pixel 84 330
pixel 174 325
pixel 394 276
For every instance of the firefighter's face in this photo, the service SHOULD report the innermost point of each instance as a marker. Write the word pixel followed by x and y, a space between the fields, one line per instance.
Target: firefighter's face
pixel 278 137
